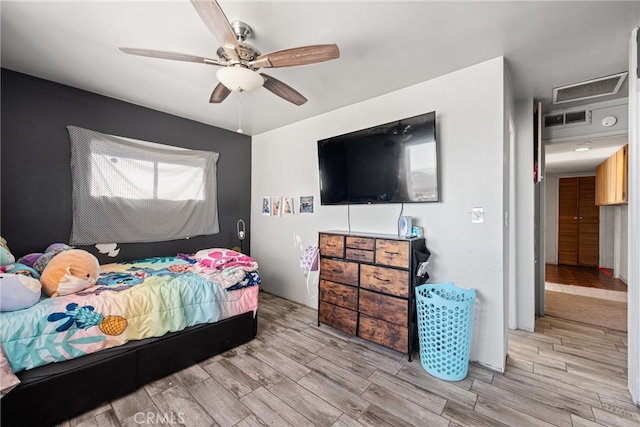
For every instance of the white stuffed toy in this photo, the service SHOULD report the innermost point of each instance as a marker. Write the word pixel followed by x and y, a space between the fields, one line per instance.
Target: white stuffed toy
pixel 18 291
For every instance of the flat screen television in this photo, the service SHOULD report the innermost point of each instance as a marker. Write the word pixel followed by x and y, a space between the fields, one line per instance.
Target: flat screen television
pixel 396 162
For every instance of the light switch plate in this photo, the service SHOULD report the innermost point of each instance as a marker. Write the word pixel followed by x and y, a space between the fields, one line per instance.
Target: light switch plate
pixel 477 215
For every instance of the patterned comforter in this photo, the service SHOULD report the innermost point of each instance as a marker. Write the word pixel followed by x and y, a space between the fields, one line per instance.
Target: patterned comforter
pixel 130 301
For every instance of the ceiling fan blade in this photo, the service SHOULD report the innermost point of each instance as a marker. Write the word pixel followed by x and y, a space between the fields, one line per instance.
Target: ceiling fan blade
pixel 216 21
pixel 284 91
pixel 165 54
pixel 303 55
pixel 219 94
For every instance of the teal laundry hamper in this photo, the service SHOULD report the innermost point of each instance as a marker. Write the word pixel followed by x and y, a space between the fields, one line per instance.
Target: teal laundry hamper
pixel 445 320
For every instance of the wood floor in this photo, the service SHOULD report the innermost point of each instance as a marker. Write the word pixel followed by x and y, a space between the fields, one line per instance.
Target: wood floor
pixel 298 374
pixel 582 276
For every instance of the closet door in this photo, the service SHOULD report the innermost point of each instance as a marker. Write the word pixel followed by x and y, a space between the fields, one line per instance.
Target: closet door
pixel 568 221
pixel 578 222
pixel 588 223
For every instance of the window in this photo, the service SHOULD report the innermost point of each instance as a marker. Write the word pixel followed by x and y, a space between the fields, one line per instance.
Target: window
pixel 142 179
pixel 127 190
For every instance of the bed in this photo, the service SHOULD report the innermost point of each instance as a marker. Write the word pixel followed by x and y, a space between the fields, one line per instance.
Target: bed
pixel 141 321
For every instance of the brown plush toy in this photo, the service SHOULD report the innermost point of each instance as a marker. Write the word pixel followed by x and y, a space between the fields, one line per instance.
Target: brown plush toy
pixel 69 272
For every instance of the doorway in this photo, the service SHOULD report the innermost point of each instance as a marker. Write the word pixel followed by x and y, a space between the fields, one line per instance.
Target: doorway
pixel 579 279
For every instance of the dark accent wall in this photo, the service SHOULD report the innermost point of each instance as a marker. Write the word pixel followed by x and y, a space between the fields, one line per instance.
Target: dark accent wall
pixel 35 173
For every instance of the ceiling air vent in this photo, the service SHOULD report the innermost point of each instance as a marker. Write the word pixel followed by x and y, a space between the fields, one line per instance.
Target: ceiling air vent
pixel 575 117
pixel 602 86
pixel 553 120
pixel 568 118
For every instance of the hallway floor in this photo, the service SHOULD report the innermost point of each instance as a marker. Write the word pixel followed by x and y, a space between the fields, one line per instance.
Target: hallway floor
pixel 590 277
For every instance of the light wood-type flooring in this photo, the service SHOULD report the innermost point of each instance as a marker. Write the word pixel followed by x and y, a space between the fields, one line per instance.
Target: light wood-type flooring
pixel 298 374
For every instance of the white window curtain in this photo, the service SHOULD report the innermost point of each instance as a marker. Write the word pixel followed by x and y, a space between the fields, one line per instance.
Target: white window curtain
pixel 127 191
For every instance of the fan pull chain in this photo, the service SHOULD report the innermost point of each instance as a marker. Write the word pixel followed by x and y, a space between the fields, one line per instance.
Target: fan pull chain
pixel 240 112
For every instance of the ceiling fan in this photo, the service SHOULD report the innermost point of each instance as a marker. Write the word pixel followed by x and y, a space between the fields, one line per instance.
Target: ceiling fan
pixel 241 60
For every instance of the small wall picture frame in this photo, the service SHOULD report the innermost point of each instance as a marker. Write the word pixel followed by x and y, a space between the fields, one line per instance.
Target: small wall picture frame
pixel 306 204
pixel 287 206
pixel 276 206
pixel 266 206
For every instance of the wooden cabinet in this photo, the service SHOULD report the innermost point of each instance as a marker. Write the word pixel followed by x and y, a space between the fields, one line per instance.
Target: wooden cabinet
pixel 578 222
pixel 611 179
pixel 367 286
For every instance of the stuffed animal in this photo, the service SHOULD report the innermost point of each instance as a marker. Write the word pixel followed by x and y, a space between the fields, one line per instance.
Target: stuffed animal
pixel 8 264
pixel 19 268
pixel 5 254
pixel 30 259
pixel 69 272
pixel 18 291
pixel 52 250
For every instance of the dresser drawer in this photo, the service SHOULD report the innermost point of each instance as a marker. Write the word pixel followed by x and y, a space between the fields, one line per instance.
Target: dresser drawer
pixel 392 252
pixel 360 242
pixel 385 307
pixel 387 280
pixel 331 245
pixel 337 294
pixel 338 317
pixel 339 271
pixel 384 333
pixel 359 255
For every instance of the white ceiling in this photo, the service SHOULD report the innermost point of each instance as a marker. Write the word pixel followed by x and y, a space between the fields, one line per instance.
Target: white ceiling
pixel 384 45
pixel 560 158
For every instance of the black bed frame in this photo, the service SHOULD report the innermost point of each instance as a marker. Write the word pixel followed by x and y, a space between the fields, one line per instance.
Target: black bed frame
pixel 57 398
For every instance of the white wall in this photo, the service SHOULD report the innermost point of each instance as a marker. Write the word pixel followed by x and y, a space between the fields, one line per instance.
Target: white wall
pixel 469 109
pixel 633 221
pixel 607 236
pixel 525 267
pixel 551 213
pixel 508 206
pixel 621 243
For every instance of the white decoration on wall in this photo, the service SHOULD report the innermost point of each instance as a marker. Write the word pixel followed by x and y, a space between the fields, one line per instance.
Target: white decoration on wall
pixel 108 248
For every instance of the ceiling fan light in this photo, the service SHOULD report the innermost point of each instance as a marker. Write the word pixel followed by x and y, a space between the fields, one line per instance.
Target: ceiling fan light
pixel 239 78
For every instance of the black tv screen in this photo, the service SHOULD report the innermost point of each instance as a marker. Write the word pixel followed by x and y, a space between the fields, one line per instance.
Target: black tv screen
pixel 396 162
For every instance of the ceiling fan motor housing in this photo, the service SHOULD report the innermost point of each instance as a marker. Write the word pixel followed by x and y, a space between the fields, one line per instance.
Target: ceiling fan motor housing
pixel 241 30
pixel 246 52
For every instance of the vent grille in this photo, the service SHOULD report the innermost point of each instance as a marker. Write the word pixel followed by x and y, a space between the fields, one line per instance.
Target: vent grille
pixel 573 118
pixel 576 117
pixel 609 85
pixel 554 120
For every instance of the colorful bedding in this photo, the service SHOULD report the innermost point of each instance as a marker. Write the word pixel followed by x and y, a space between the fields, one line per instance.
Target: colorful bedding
pixel 130 301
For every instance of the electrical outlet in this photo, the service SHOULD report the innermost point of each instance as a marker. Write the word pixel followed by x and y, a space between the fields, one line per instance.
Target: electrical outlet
pixel 477 215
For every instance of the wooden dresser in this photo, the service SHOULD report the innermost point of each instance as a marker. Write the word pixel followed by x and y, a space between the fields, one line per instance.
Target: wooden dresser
pixel 367 286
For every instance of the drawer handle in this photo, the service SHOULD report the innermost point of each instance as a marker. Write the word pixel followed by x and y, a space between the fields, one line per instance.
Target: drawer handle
pixel 392 253
pixel 337 270
pixel 381 280
pixel 331 245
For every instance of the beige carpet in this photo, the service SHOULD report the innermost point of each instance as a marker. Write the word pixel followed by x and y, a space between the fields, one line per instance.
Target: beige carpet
pixel 586 291
pixel 606 313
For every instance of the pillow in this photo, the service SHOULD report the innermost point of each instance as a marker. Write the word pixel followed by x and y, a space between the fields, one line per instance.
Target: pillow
pixel 221 259
pixel 224 266
pixel 18 291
